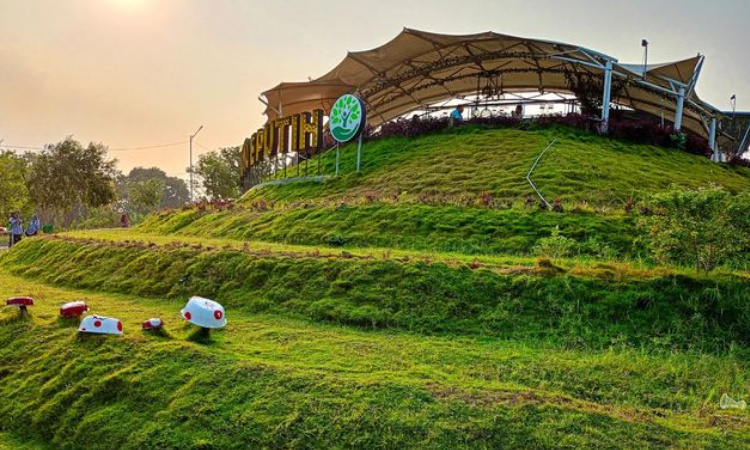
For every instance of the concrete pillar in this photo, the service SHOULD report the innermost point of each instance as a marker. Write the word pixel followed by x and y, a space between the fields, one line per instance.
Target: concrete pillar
pixel 680 108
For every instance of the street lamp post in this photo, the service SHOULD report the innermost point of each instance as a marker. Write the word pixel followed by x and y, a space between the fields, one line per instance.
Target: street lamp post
pixel 644 44
pixel 192 136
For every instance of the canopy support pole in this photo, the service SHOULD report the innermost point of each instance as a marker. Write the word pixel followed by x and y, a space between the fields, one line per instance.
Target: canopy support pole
pixel 744 143
pixel 607 96
pixel 680 108
pixel 712 139
pixel 337 160
pixel 359 152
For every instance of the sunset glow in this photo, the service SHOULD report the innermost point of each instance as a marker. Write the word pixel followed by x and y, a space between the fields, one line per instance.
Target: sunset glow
pixel 136 73
pixel 129 4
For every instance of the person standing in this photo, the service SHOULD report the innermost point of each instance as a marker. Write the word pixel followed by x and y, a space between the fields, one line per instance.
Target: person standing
pixel 16 229
pixel 457 116
pixel 34 226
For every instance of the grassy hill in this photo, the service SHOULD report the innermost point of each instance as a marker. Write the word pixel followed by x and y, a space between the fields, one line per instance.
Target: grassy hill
pixel 345 351
pixel 467 230
pixel 404 307
pixel 458 165
pixel 464 191
pixel 430 297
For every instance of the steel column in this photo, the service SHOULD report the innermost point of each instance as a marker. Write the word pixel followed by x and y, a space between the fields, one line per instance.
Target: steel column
pixel 607 95
pixel 680 108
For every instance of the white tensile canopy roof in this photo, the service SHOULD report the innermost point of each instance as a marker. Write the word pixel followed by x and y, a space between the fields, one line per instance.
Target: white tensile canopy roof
pixel 417 69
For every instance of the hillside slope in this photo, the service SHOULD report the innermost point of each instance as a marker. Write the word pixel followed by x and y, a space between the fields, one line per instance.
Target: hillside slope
pixel 465 230
pixel 592 308
pixel 408 306
pixel 462 163
pixel 464 191
pixel 495 370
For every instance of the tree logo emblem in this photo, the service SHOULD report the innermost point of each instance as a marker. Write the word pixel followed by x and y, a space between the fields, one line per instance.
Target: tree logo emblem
pixel 347 118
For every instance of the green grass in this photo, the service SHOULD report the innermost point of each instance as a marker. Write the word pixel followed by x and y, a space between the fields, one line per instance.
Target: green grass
pixel 461 163
pixel 407 226
pixel 463 191
pixel 402 307
pixel 9 441
pixel 624 270
pixel 593 307
pixel 272 382
pixel 139 236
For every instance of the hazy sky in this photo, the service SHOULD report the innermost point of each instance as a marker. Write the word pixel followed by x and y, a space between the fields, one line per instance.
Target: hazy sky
pixel 133 73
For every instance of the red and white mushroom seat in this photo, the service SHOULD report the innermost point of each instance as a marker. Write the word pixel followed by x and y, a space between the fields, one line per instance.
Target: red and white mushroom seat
pixel 100 325
pixel 73 309
pixel 204 313
pixel 21 302
pixel 153 324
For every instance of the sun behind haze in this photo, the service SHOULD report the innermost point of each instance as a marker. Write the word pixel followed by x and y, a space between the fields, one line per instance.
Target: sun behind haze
pixel 134 73
pixel 128 3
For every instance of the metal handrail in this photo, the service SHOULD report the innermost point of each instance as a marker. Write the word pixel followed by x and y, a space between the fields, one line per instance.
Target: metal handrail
pixel 533 166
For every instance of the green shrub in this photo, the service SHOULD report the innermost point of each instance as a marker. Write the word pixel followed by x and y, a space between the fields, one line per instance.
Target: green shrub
pixel 705 228
pixel 597 248
pixel 555 246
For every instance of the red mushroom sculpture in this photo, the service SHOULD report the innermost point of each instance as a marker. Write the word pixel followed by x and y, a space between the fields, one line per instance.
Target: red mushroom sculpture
pixel 153 324
pixel 73 309
pixel 22 302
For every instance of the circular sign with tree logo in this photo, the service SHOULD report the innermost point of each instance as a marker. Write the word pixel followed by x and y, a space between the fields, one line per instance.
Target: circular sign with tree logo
pixel 347 118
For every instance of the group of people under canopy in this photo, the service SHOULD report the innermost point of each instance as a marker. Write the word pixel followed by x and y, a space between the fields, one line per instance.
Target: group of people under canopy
pixel 457 115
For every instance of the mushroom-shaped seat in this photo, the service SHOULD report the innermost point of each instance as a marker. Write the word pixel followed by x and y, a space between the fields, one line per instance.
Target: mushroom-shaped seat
pixel 153 324
pixel 100 325
pixel 21 302
pixel 73 309
pixel 204 313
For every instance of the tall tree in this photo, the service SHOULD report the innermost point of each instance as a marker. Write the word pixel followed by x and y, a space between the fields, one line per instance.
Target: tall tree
pixel 14 196
pixel 174 190
pixel 147 195
pixel 219 172
pixel 67 178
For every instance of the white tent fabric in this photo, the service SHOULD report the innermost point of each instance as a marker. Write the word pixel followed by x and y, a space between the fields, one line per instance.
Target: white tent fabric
pixel 417 69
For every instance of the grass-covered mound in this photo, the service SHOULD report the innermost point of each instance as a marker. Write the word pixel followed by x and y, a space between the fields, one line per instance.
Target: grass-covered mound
pixel 399 308
pixel 462 163
pixel 464 190
pixel 406 226
pixel 598 308
pixel 273 383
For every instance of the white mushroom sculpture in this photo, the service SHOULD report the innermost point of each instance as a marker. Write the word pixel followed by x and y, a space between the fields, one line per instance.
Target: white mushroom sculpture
pixel 204 313
pixel 100 325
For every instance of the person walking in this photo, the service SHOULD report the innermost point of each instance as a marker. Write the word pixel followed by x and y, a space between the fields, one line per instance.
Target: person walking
pixel 16 229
